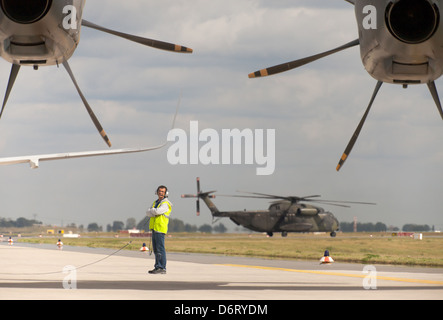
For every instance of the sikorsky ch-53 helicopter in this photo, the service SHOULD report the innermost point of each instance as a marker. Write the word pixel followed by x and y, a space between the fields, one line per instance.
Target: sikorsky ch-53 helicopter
pixel 400 43
pixel 287 214
pixel 47 32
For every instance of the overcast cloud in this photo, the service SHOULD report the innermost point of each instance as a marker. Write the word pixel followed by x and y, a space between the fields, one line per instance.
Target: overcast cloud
pixel 397 161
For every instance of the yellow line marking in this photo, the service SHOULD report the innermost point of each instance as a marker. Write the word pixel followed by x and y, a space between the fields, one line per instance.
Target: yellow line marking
pixel 341 274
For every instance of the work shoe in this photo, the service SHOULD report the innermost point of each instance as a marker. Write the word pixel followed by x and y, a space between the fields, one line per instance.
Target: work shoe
pixel 157 271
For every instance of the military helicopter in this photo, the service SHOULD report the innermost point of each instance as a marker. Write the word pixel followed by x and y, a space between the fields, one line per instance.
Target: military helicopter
pixel 287 214
pixel 47 32
pixel 400 43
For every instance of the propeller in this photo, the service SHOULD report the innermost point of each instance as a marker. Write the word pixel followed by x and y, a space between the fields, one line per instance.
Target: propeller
pixel 88 107
pixel 301 62
pixel 295 199
pixel 145 41
pixel 360 126
pixel 433 89
pixel 199 195
pixel 14 72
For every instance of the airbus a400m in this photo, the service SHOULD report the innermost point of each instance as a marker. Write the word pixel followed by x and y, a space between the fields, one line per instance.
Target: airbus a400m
pixel 287 214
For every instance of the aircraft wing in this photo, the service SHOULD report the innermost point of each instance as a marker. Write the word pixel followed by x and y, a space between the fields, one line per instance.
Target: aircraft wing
pixel 351 1
pixel 35 160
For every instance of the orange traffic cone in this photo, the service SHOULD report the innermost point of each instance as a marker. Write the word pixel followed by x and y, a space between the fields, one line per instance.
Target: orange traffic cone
pixel 326 258
pixel 144 248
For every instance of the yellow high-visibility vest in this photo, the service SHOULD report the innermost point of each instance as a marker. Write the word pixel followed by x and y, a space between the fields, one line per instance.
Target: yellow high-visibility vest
pixel 160 223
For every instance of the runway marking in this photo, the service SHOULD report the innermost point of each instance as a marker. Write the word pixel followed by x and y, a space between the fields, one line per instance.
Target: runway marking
pixel 341 274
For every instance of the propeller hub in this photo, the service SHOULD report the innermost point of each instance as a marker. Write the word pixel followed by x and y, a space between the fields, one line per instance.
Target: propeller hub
pixel 25 11
pixel 412 21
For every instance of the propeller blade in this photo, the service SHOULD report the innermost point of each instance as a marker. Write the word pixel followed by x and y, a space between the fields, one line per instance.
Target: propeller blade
pixel 145 41
pixel 360 126
pixel 88 108
pixel 14 72
pixel 433 89
pixel 301 62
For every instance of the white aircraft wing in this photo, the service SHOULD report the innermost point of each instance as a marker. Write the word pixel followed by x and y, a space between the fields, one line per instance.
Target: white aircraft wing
pixel 35 160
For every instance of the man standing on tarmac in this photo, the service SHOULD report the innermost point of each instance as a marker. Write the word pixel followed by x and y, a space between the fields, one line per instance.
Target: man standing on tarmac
pixel 158 224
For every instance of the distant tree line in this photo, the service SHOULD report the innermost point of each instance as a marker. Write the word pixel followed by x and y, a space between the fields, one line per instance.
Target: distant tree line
pixel 363 227
pixel 19 223
pixel 177 225
pixel 381 227
pixel 417 227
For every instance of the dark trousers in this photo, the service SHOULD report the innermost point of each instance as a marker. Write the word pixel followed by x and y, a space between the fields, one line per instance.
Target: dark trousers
pixel 158 245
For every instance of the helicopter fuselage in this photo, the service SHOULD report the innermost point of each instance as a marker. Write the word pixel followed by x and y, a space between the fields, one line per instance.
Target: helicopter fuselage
pixel 284 217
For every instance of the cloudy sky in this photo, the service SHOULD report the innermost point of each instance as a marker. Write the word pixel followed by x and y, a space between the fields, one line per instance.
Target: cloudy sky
pixel 134 90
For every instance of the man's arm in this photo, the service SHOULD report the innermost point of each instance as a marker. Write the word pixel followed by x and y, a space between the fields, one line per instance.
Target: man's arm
pixel 162 209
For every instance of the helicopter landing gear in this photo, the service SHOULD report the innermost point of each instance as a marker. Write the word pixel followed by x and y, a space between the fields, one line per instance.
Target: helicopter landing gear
pixel 284 234
pixel 333 234
pixel 270 234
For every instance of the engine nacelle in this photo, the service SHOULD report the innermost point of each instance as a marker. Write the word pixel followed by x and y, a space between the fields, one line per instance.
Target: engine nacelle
pixel 25 11
pixel 412 21
pixel 39 32
pixel 400 40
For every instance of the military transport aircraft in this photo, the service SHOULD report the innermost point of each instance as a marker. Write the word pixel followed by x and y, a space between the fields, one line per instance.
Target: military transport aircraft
pixel 400 42
pixel 288 214
pixel 46 32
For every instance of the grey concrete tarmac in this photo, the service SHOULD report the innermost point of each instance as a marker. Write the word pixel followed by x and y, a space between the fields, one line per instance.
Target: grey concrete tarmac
pixel 44 272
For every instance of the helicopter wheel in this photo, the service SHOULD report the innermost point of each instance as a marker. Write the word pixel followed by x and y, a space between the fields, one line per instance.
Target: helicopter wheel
pixel 333 234
pixel 284 234
pixel 270 234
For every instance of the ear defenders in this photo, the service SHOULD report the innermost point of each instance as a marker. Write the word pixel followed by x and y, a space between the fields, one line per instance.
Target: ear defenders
pixel 162 187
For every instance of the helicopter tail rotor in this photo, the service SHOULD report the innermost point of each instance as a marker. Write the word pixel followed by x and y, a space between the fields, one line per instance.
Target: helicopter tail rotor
pixel 200 194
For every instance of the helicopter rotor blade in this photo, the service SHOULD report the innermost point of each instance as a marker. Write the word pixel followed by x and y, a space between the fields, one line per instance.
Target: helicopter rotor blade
pixel 261 195
pixel 144 41
pixel 88 107
pixel 294 199
pixel 12 77
pixel 339 203
pixel 300 62
pixel 360 126
pixel 198 185
pixel 198 206
pixel 343 201
pixel 433 89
